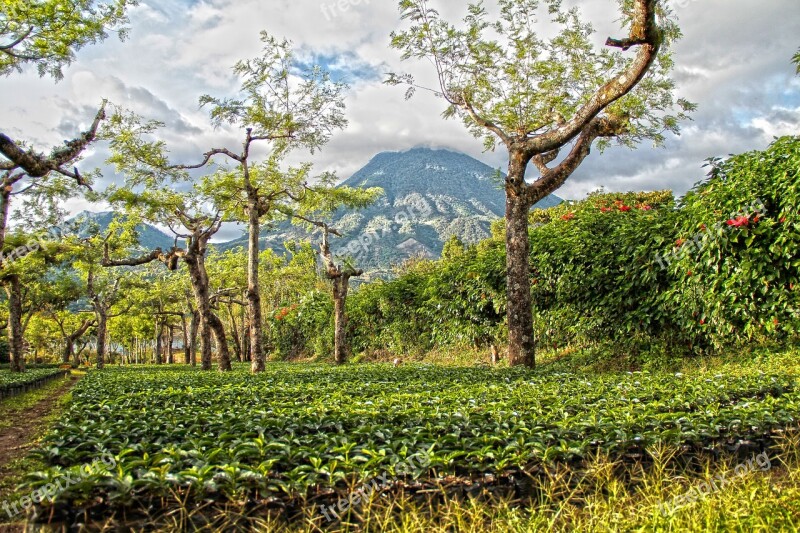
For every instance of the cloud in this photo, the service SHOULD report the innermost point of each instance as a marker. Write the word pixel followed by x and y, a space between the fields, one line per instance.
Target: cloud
pixel 736 68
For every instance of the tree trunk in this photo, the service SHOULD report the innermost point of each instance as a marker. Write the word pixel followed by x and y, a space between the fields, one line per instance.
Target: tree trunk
pixel 237 346
pixel 102 328
pixel 193 327
pixel 521 349
pixel 70 339
pixel 245 329
pixel 218 328
pixel 187 350
pixel 170 340
pixel 209 322
pixel 259 362
pixel 5 204
pixel 340 287
pixel 69 350
pixel 203 310
pixel 15 340
pixel 159 339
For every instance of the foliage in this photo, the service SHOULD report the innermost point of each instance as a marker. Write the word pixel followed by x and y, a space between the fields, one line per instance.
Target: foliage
pixel 737 272
pixel 13 380
pixel 594 274
pixel 796 61
pixel 48 33
pixel 519 77
pixel 301 319
pixel 306 429
pixel 302 328
pixel 595 271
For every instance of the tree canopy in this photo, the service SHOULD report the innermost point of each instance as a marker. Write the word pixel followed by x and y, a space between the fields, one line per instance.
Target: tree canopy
pixel 48 33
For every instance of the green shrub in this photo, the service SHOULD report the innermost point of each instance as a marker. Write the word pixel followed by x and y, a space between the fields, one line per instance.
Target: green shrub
pixel 737 258
pixel 595 272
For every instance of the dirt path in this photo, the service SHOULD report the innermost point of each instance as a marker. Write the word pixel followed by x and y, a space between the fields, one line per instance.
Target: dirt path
pixel 21 428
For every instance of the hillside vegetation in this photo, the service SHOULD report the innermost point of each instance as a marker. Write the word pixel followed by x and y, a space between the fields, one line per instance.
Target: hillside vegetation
pixel 634 275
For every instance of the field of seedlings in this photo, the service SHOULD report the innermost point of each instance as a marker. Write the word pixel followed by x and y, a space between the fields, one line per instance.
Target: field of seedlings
pixel 12 383
pixel 312 433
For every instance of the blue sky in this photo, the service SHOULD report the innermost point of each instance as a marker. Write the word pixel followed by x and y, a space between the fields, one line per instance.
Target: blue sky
pixel 734 62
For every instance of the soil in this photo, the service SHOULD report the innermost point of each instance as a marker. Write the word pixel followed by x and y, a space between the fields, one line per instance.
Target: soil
pixel 19 436
pixel 22 430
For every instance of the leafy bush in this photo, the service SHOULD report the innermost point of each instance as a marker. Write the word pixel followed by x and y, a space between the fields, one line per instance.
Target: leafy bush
pixel 12 382
pixel 456 301
pixel 310 429
pixel 595 271
pixel 737 260
pixel 303 328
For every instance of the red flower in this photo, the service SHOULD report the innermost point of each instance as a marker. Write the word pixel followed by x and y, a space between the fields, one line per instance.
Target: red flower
pixel 702 321
pixel 624 208
pixel 679 243
pixel 775 321
pixel 739 222
pixel 645 207
pixel 689 273
pixel 568 216
pixel 605 209
pixel 783 219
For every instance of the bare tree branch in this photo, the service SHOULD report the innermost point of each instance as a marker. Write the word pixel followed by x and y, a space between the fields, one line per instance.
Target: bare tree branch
pixel 644 33
pixel 552 179
pixel 37 165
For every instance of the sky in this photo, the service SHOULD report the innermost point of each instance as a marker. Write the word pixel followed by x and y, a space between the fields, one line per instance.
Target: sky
pixel 734 61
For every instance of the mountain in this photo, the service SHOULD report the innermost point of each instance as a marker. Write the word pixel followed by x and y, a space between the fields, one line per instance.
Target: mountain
pixel 429 195
pixel 150 237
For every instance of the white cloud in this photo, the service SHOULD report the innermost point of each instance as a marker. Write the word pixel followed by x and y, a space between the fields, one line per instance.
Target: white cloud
pixel 733 61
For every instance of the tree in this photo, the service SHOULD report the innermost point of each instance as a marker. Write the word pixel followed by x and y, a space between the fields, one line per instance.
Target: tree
pixel 796 61
pixel 48 33
pixel 538 97
pixel 71 333
pixel 340 278
pixel 45 179
pixel 281 105
pixel 104 293
pixel 286 109
pixel 191 216
pixel 64 292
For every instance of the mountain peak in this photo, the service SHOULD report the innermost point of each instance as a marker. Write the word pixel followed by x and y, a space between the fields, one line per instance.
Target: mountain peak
pixel 430 194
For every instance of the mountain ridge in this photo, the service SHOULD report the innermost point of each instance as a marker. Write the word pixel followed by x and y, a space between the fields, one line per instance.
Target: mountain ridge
pixel 429 196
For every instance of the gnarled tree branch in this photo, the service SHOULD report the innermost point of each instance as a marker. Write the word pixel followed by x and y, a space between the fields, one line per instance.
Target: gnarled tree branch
pixel 37 165
pixel 645 34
